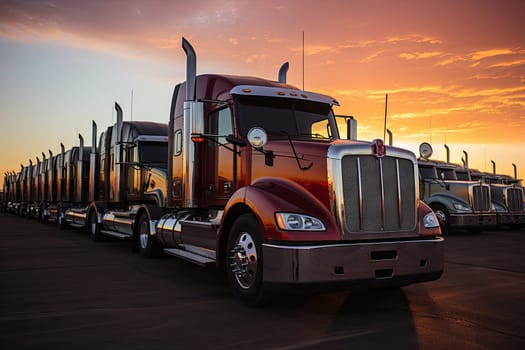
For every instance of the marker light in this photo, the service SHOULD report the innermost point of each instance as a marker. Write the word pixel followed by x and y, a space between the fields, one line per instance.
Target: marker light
pixel 298 222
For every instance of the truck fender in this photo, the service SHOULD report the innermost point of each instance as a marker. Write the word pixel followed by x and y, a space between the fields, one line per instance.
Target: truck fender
pixel 99 208
pixel 446 200
pixel 267 196
pixel 153 212
pixel 424 209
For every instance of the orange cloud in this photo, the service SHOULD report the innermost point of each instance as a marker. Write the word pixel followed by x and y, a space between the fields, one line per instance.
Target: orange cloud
pixel 479 55
pixel 420 55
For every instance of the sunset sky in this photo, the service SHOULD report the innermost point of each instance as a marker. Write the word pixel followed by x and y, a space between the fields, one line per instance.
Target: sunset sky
pixel 454 70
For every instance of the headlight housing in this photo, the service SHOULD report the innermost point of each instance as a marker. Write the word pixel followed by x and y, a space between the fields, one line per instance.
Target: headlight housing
pixel 460 206
pixel 298 222
pixel 430 220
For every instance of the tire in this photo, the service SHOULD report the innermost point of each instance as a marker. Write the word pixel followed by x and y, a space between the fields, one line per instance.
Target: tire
pixel 93 226
pixel 42 215
pixel 244 265
pixel 147 244
pixel 61 221
pixel 443 217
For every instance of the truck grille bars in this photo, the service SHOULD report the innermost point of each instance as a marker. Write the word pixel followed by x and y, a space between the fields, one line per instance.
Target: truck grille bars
pixel 515 199
pixel 481 198
pixel 379 193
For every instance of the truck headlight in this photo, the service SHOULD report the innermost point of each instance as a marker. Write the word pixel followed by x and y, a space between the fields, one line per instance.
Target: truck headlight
pixel 430 220
pixel 460 206
pixel 298 222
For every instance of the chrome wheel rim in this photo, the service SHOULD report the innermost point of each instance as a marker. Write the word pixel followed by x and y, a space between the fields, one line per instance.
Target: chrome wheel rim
pixel 143 235
pixel 243 260
pixel 442 218
pixel 93 223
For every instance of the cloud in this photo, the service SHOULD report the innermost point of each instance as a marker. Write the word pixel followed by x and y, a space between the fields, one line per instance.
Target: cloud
pixel 508 63
pixel 420 55
pixel 479 55
pixel 416 38
pixel 372 56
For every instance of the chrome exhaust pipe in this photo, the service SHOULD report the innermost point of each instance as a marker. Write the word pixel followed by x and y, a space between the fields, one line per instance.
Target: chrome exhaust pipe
pixel 282 72
pixel 447 149
pixel 93 163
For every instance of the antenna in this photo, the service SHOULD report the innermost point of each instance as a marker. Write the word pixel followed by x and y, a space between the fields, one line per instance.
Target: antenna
pixel 303 60
pixel 131 105
pixel 386 109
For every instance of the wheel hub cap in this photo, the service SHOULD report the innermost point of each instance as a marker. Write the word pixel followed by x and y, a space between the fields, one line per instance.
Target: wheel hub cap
pixel 243 260
pixel 143 235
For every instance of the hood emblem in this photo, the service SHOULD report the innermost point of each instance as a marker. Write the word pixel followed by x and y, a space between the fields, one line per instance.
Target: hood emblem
pixel 378 148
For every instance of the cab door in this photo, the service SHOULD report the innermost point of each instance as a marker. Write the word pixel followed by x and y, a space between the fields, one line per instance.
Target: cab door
pixel 220 158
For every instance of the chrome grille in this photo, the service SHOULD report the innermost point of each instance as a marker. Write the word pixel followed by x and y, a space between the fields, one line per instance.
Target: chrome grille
pixel 481 198
pixel 379 193
pixel 515 199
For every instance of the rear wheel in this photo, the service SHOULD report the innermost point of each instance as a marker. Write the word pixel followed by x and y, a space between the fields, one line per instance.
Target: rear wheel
pixel 443 217
pixel 148 245
pixel 61 220
pixel 244 266
pixel 93 226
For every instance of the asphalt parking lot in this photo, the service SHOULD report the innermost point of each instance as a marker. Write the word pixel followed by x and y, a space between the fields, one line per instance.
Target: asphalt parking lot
pixel 58 289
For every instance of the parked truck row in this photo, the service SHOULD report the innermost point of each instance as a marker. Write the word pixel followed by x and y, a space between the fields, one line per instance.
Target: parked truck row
pixel 253 176
pixel 469 199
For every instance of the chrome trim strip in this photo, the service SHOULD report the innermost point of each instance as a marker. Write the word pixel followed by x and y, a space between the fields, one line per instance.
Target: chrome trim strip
pixel 269 91
pixel 360 193
pixel 399 207
pixel 381 180
pixel 324 246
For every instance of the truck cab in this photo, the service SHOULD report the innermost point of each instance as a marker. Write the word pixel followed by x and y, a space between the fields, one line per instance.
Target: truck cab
pixel 457 203
pixel 507 198
pixel 128 171
pixel 260 183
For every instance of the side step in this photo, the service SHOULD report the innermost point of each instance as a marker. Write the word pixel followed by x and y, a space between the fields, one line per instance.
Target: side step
pixel 189 256
pixel 115 234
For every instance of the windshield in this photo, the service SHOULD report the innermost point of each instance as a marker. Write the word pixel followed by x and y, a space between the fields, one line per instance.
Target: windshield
pixel 153 152
pixel 462 175
pixel 446 174
pixel 286 117
pixel 427 172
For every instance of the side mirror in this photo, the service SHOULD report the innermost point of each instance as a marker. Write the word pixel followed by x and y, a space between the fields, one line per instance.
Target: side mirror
pixel 234 140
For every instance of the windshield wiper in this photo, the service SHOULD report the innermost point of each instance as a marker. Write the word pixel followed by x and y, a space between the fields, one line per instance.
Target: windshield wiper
pixel 303 168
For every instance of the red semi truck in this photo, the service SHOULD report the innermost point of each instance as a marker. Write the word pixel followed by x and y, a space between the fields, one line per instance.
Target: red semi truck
pixel 257 180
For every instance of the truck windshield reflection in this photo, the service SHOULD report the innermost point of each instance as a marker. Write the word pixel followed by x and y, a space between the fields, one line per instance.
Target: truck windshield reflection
pixel 286 117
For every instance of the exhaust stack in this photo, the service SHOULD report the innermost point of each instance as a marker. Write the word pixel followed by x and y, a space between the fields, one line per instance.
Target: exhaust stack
pixel 50 179
pixel 493 167
pixel 80 170
pixel 93 163
pixel 448 153
pixel 515 171
pixel 390 137
pixel 117 156
pixel 193 123
pixel 282 72
pixel 465 159
pixel 60 173
pixel 191 69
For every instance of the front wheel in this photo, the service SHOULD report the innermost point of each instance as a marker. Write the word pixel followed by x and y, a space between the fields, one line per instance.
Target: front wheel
pixel 443 217
pixel 244 266
pixel 148 245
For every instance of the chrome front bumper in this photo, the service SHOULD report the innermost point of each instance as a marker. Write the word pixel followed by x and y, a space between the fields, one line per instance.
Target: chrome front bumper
pixel 473 220
pixel 400 262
